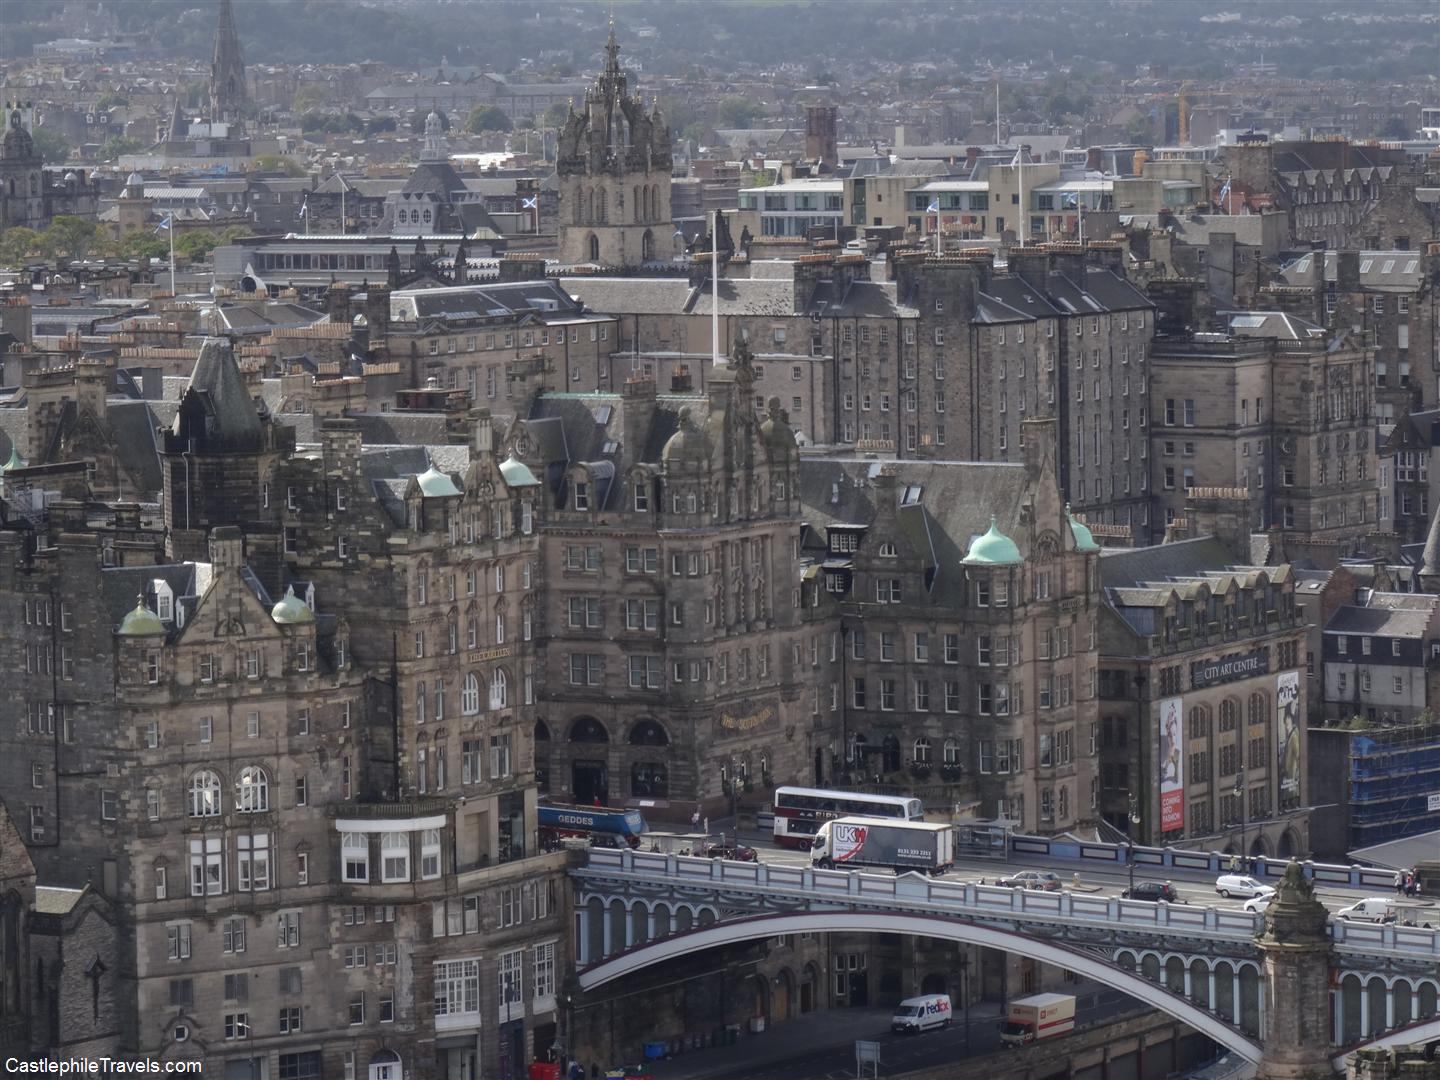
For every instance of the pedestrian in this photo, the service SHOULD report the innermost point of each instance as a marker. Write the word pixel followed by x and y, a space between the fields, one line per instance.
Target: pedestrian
pixel 597 801
pixel 1399 882
pixel 1410 886
pixel 1234 864
pixel 577 1071
pixel 695 820
pixel 594 1071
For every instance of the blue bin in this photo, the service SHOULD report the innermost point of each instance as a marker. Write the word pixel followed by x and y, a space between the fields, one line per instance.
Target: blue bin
pixel 654 1051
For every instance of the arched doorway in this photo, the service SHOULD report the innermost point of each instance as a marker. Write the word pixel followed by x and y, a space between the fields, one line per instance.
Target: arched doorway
pixel 934 983
pixel 589 775
pixel 808 978
pixel 1289 845
pixel 760 987
pixel 892 754
pixel 780 1001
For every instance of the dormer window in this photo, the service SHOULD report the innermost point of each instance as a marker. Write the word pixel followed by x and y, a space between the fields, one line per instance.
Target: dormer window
pixel 164 602
pixel 642 497
pixel 582 496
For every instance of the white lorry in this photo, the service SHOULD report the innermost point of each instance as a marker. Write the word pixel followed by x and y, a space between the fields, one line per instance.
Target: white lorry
pixel 901 846
pixel 1040 1016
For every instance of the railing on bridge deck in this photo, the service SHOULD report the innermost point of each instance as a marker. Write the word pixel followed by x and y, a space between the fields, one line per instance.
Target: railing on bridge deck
pixel 918 893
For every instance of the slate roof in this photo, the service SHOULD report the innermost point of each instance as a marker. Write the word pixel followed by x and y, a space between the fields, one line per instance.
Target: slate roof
pixel 120 585
pixel 480 299
pixel 389 469
pixel 1389 271
pixel 222 388
pixel 1140 567
pixel 397 428
pixel 954 505
pixel 1381 621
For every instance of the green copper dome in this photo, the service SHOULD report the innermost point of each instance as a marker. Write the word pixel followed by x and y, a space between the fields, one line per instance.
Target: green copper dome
pixel 291 609
pixel 141 622
pixel 435 483
pixel 14 462
pixel 1084 538
pixel 994 548
pixel 516 473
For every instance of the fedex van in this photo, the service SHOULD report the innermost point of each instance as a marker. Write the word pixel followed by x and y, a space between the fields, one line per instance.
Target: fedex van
pixel 919 1014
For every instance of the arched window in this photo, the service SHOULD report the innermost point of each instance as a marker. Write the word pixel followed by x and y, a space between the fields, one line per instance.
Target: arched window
pixel 922 751
pixel 499 689
pixel 1229 714
pixel 426 217
pixel 647 246
pixel 470 696
pixel 499 628
pixel 649 779
pixel 204 794
pixel 385 1065
pixel 887 550
pixel 252 790
pixel 1064 802
pixel 892 753
pixel 394 857
pixel 635 206
pixel 542 731
pixel 422 709
pixel 855 751
pixel 594 248
pixel 951 752
pixel 1259 708
pixel 602 214
pixel 588 730
pixel 472 633
pixel 648 733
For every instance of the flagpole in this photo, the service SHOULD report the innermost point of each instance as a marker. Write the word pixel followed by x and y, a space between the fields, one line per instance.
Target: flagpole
pixel 171 230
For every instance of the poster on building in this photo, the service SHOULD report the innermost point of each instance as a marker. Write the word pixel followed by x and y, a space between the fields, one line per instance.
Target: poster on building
pixel 1172 764
pixel 1287 736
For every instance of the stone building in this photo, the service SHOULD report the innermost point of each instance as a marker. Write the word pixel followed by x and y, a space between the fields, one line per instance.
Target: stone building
pixel 613 161
pixel 1378 655
pixel 1279 409
pixel 945 358
pixel 667 638
pixel 299 872
pixel 949 611
pixel 1387 296
pixel 30 195
pixel 1202 692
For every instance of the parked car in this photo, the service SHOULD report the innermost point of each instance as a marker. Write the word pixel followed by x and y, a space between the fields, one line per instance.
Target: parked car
pixel 727 849
pixel 1256 904
pixel 1371 909
pixel 1031 879
pixel 1241 885
pixel 1158 892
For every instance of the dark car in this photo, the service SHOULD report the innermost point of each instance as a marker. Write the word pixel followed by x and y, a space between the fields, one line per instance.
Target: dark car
pixel 1157 892
pixel 728 850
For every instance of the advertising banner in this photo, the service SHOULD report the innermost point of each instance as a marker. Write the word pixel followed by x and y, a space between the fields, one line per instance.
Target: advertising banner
pixel 1287 736
pixel 1172 764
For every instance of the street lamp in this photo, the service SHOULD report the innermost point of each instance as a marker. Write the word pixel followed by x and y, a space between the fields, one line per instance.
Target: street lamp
pixel 1240 798
pixel 565 999
pixel 1132 818
pixel 965 994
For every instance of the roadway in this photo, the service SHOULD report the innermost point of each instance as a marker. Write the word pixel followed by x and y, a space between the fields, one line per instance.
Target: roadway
pixel 820 1046
pixel 1100 879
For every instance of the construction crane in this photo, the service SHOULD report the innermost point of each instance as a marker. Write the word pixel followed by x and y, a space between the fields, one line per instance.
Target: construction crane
pixel 1184 120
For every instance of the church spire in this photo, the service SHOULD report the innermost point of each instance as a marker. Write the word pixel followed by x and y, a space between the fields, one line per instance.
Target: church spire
pixel 227 73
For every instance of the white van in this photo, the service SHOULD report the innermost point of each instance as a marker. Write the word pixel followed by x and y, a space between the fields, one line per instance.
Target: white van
pixel 921 1014
pixel 1371 909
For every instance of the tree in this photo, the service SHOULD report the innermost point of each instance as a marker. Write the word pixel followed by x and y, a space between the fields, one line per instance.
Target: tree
pixel 277 163
pixel 485 118
pixel 1395 128
pixel 116 145
pixel 143 244
pixel 309 97
pixel 111 101
pixel 52 147
pixel 734 112
pixel 70 236
pixel 1139 130
pixel 375 125
pixel 17 244
pixel 556 115
pixel 419 116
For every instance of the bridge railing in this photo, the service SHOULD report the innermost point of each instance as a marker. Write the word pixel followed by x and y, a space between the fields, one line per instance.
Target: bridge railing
pixel 931 895
pixel 915 891
pixel 1210 862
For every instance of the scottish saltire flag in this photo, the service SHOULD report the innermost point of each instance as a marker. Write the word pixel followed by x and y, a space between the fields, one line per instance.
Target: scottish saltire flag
pixel 304 209
pixel 531 203
pixel 934 207
pixel 1224 193
pixel 164 224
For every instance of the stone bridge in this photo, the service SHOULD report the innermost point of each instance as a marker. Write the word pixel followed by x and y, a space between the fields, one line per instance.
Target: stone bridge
pixel 1343 985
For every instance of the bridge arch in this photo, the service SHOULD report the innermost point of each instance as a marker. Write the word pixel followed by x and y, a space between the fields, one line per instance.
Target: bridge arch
pixel 1093 966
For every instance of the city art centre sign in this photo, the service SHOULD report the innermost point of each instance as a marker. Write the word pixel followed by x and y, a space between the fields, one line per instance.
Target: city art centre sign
pixel 1205 673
